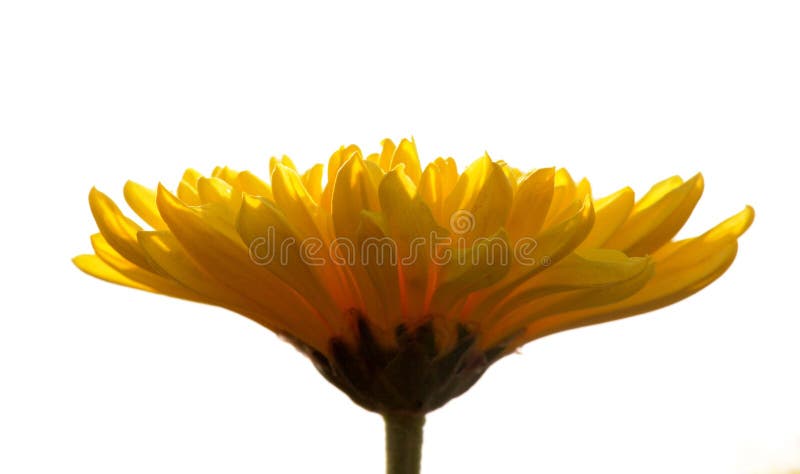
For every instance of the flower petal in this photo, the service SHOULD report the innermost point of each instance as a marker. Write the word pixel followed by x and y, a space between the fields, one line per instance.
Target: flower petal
pixel 406 154
pixel 252 184
pixel 217 191
pixel 150 280
pixel 143 202
pixel 387 153
pixel 118 230
pixel 482 264
pixel 564 194
pixel 312 180
pixel 410 223
pixel 227 258
pixel 611 212
pixel 489 211
pixel 467 186
pixel 597 278
pixel 657 217
pixel 353 192
pixel 531 257
pixel 166 252
pixel 686 268
pixel 187 188
pixel 96 267
pixel 531 203
pixel 285 254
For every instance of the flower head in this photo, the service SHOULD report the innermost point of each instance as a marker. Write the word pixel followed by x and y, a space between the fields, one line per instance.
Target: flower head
pixel 403 283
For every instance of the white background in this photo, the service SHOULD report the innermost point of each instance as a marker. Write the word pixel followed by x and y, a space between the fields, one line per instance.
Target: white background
pixel 97 378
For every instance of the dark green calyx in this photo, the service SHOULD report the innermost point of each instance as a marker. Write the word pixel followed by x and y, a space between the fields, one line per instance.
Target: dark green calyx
pixel 412 378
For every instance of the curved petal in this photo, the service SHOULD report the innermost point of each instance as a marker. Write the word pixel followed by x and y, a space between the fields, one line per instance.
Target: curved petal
pixel 295 202
pixel 604 279
pixel 531 203
pixel 166 252
pixel 481 265
pixel 410 223
pixel 353 192
pixel 489 211
pixel 530 258
pixel 118 230
pixel 657 217
pixel 143 202
pixel 229 259
pixel 132 273
pixel 406 154
pixel 291 258
pixel 686 268
pixel 96 267
pixel 611 212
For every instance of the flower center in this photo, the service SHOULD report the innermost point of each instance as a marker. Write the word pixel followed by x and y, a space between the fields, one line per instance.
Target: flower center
pixel 412 377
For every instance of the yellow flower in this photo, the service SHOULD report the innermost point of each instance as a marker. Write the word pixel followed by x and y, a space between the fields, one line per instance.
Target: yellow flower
pixel 403 284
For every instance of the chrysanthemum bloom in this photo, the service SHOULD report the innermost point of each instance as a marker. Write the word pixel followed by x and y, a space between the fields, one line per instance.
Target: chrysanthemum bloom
pixel 403 284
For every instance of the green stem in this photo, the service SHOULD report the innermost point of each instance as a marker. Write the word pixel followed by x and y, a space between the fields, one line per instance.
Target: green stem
pixel 403 443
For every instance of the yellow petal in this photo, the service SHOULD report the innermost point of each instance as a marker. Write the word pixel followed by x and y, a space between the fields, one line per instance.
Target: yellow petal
pixel 491 206
pixel 598 277
pixel 96 267
pixel 449 171
pixel 659 190
pixel 727 230
pixel 337 159
pixel 150 280
pixel 406 154
pixel 217 191
pixel 531 203
pixel 376 274
pixel 118 230
pixel 187 188
pixel 143 202
pixel 294 201
pixel 430 191
pixel 411 225
pixel 532 256
pixel 312 180
pixel 353 192
pixel 309 273
pixel 166 253
pixel 467 186
pixel 387 152
pixel 285 161
pixel 654 221
pixel 435 185
pixel 588 269
pixel 482 264
pixel 236 264
pixel 512 175
pixel 252 184
pixel 686 268
pixel 611 212
pixel 564 194
pixel 226 174
pixel 581 191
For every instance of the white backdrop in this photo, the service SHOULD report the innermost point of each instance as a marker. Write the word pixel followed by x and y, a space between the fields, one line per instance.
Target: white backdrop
pixel 97 378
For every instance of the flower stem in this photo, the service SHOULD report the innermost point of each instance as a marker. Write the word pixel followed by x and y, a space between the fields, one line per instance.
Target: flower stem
pixel 403 443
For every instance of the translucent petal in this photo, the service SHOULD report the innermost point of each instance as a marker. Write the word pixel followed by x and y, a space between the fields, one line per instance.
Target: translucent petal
pixel 611 212
pixel 143 202
pixel 531 203
pixel 118 230
pixel 655 220
pixel 681 271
